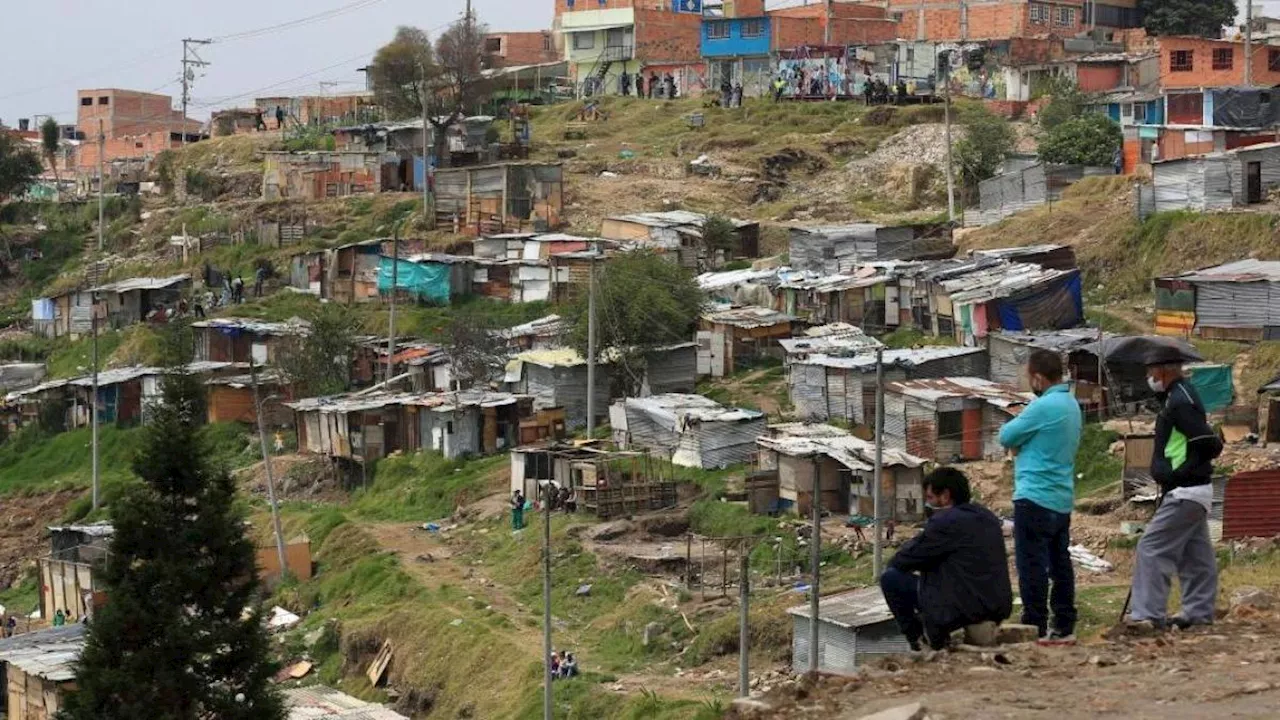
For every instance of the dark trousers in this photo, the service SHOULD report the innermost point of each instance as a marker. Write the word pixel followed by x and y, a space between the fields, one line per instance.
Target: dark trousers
pixel 902 595
pixel 1041 538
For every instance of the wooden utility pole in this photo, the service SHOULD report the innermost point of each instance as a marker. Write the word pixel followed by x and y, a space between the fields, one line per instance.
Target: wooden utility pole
pixel 591 349
pixel 547 709
pixel 266 463
pixel 93 406
pixel 395 286
pixel 826 31
pixel 744 598
pixel 1248 43
pixel 945 74
pixel 102 182
pixel 878 556
pixel 815 558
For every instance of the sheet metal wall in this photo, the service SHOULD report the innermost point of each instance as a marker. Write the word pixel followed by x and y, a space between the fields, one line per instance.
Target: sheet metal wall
pixel 1238 304
pixel 672 371
pixel 567 387
pixel 1194 184
pixel 1269 158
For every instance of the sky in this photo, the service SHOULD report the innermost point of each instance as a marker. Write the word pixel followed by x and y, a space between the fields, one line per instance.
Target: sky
pixel 137 45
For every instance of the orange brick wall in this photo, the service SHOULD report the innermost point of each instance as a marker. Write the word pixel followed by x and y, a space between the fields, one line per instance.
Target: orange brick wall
pixel 140 146
pixel 851 24
pixel 1000 19
pixel 668 37
pixel 128 113
pixel 524 48
pixel 562 6
pixel 744 8
pixel 1202 73
pixel 1098 78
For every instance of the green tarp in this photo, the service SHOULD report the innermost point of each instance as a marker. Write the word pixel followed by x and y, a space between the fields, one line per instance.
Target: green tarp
pixel 426 281
pixel 1213 383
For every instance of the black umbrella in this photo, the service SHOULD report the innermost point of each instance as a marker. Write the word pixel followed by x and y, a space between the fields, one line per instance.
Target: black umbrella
pixel 1145 350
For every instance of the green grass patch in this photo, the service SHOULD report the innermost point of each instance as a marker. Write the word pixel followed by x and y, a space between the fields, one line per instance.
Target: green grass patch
pixel 72 359
pixel 23 596
pixel 33 460
pixel 424 486
pixel 909 337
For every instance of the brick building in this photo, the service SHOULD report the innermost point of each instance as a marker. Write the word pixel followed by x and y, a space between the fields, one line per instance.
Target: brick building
pixel 603 39
pixel 311 110
pixel 1004 19
pixel 513 49
pixel 136 125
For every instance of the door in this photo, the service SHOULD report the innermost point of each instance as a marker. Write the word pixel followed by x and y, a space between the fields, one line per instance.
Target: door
pixel 1253 183
pixel 971 434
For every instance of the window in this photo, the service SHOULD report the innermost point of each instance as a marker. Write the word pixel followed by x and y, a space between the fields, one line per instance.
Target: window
pixel 1066 17
pixel 897 17
pixel 584 40
pixel 548 43
pixel 911 55
pixel 616 37
pixel 1273 60
pixel 448 427
pixel 493 45
pixel 1264 98
pixel 104 100
pixel 717 30
pixel 1039 13
pixel 950 425
pixel 1223 58
pixel 1139 113
pixel 752 28
pixel 1181 60
pixel 89 100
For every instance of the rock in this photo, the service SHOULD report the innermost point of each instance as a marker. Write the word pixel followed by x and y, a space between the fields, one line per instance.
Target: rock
pixel 585 590
pixel 605 532
pixel 1014 633
pixel 982 634
pixel 980 669
pixel 566 153
pixel 1252 597
pixel 749 709
pixel 651 631
pixel 1257 686
pixel 914 711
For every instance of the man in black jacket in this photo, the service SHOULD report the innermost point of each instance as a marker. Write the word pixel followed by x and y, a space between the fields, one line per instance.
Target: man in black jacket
pixel 955 573
pixel 1177 538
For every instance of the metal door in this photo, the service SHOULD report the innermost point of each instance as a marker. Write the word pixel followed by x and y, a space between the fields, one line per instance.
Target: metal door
pixel 971 430
pixel 1253 183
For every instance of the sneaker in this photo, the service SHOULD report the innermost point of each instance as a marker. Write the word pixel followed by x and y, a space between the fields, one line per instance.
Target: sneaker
pixel 1183 623
pixel 915 644
pixel 1057 638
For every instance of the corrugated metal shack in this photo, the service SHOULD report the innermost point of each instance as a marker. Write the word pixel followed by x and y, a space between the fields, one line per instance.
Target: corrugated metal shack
pixel 231 399
pixel 1022 189
pixel 948 418
pixel 858 297
pixel 1010 351
pixel 1218 181
pixel 842 249
pixel 558 378
pixel 740 287
pixel 696 431
pixel 240 340
pixel 352 272
pixel 495 199
pixel 317 702
pixel 315 175
pixel 431 278
pixel 609 483
pixel 129 302
pixel 845 465
pixel 69 313
pixel 829 387
pixel 680 232
pixel 39 670
pixel 360 427
pixel 1236 301
pixel 541 334
pixel 728 337
pixel 834 339
pixel 854 628
pixel 530 246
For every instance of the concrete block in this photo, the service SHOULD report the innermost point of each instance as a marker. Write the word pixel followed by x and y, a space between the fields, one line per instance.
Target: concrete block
pixel 982 634
pixel 749 709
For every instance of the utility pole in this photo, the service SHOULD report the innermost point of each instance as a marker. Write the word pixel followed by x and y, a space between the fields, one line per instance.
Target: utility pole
pixel 920 22
pixel 964 20
pixel 547 710
pixel 879 472
pixel 744 597
pixel 1248 43
pixel 951 165
pixel 266 463
pixel 826 30
pixel 591 349
pixel 189 61
pixel 428 209
pixel 815 557
pixel 93 421
pixel 395 286
pixel 102 181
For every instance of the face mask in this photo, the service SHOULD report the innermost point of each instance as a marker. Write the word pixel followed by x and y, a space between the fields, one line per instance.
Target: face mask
pixel 1156 386
pixel 929 510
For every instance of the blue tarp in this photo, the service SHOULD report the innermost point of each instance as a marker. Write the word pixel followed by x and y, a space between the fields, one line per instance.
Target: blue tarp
pixel 427 281
pixel 1214 385
pixel 1056 307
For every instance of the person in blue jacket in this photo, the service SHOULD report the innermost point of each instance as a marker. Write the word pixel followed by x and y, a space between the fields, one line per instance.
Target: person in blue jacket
pixel 1045 437
pixel 953 574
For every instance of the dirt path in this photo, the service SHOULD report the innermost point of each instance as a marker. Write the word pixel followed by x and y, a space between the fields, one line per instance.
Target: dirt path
pixel 1228 671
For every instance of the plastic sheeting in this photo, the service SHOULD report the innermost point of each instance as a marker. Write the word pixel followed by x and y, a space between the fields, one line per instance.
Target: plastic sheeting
pixel 1214 384
pixel 1243 108
pixel 426 281
pixel 1061 305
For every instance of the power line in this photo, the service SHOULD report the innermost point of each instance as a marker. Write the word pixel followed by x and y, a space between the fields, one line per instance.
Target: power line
pixel 291 24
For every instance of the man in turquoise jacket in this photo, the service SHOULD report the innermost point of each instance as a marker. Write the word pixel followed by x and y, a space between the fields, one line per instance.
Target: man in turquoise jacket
pixel 1044 438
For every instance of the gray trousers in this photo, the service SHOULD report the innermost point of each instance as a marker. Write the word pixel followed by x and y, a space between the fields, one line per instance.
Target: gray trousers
pixel 1176 539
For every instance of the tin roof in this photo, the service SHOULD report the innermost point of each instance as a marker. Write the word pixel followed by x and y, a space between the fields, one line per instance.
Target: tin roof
pixel 1238 271
pixel 836 338
pixel 98 529
pixel 905 358
pixel 806 439
pixel 680 406
pixel 748 317
pixel 319 702
pixel 853 610
pixel 549 325
pixel 50 654
pixel 1068 340
pixel 118 375
pixel 142 283
pixel 935 389
pixel 674 219
pixel 1251 505
pixel 555 357
pixel 720 280
pixel 292 327
pixel 437 401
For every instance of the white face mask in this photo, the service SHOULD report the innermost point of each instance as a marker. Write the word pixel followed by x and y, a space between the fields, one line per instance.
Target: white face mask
pixel 1155 385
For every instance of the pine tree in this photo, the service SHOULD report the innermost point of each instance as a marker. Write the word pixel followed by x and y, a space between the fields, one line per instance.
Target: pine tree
pixel 1188 17
pixel 174 640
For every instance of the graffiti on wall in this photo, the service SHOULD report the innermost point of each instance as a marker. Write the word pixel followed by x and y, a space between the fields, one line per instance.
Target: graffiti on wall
pixel 815 73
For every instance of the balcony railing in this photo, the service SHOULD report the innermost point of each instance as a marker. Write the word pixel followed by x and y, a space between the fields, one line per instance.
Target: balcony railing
pixel 617 53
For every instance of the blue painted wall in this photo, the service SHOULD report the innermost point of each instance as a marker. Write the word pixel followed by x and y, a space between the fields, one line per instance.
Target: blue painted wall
pixel 735 45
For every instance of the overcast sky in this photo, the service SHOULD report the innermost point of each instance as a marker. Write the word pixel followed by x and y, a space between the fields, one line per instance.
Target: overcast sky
pixel 136 44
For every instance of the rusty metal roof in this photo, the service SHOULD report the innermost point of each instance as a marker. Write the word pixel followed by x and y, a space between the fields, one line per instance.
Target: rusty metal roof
pixel 932 390
pixel 1251 505
pixel 748 317
pixel 1239 271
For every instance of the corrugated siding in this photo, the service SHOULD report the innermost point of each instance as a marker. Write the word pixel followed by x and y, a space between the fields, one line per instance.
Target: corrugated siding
pixel 672 371
pixel 799 644
pixel 1270 162
pixel 809 391
pixel 880 639
pixel 1197 184
pixel 837 401
pixel 1006 360
pixel 1251 505
pixel 1237 305
pixel 921 428
pixel 720 444
pixel 895 421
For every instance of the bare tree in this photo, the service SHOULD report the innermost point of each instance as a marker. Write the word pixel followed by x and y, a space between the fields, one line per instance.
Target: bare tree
pixel 50 140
